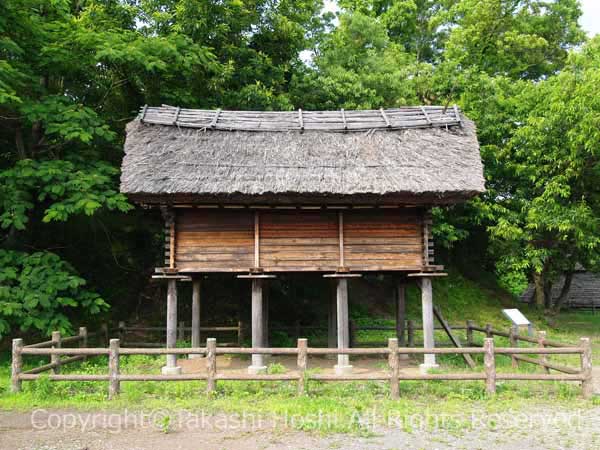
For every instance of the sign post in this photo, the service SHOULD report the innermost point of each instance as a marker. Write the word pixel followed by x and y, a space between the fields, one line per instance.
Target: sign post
pixel 517 318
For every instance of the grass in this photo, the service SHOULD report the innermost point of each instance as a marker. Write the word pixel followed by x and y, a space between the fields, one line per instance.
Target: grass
pixel 336 407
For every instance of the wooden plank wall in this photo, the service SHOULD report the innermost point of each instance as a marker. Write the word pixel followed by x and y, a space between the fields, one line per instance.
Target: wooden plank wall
pixel 295 241
pixel 383 239
pixel 217 240
pixel 214 241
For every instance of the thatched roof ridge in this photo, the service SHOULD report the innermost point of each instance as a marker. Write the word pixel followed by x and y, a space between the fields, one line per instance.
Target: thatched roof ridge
pixel 424 164
pixel 343 121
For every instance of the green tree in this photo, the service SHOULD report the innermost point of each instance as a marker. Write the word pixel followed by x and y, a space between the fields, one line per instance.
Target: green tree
pixel 71 75
pixel 548 219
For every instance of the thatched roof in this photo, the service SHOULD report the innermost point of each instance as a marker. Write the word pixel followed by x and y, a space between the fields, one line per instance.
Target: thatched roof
pixel 414 155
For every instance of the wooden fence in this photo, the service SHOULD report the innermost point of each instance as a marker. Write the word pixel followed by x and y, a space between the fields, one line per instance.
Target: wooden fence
pixel 126 332
pixel 302 376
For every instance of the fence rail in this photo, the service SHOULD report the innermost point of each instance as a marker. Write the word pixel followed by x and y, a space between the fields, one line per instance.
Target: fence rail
pixel 301 375
pixel 240 330
pixel 124 330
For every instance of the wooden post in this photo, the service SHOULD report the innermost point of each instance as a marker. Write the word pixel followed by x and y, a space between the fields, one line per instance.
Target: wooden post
pixel 256 239
pixel 352 333
pixel 587 385
pixel 181 331
pixel 343 335
pixel 83 335
pixel 240 333
pixel 342 262
pixel 258 360
pixel 513 334
pixel 394 368
pixel 121 332
pixel 55 359
pixel 114 385
pixel 470 341
pixel 211 364
pixel 488 330
pixel 541 338
pixel 302 364
pixel 196 316
pixel 428 328
pixel 489 365
pixel 411 333
pixel 104 329
pixel 171 367
pixel 265 305
pixel 400 312
pixel 17 365
pixel 332 321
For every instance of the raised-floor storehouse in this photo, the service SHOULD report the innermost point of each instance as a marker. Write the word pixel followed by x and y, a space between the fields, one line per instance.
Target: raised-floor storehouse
pixel 337 193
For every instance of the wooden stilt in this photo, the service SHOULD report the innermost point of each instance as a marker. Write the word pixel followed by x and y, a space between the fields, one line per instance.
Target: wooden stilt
pixel 258 361
pixel 265 304
pixel 332 320
pixel 428 329
pixel 343 333
pixel 195 315
pixel 171 367
pixel 400 298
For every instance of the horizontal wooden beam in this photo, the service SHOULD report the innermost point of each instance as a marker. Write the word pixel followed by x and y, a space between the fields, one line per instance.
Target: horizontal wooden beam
pixel 342 275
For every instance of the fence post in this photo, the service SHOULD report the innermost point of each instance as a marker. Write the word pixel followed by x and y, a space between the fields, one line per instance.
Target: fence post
pixel 181 331
pixel 114 385
pixel 587 385
pixel 17 365
pixel 393 363
pixel 488 330
pixel 541 338
pixel 470 341
pixel 489 365
pixel 411 333
pixel 513 334
pixel 83 335
pixel 55 359
pixel 302 363
pixel 240 336
pixel 211 364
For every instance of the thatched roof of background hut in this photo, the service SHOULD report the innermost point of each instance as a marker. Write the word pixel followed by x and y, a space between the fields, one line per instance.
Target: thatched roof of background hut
pixel 414 155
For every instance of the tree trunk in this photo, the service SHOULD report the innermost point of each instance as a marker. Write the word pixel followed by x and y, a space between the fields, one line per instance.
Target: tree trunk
pixel 548 294
pixel 538 281
pixel 564 292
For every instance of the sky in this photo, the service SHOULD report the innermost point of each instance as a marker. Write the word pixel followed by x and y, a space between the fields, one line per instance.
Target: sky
pixel 590 21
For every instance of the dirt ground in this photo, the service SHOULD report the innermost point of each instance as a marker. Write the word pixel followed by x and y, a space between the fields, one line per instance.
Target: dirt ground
pixel 236 365
pixel 70 430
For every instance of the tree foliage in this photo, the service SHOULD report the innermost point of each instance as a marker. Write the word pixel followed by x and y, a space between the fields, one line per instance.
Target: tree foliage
pixel 73 73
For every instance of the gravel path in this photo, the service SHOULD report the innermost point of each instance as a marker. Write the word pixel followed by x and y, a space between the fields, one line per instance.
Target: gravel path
pixel 537 428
